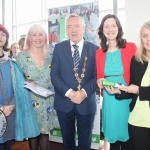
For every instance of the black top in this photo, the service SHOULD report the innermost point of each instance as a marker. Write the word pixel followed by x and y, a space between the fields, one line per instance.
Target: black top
pixel 137 70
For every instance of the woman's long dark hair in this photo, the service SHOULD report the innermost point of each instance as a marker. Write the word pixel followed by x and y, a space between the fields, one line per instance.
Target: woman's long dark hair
pixel 121 43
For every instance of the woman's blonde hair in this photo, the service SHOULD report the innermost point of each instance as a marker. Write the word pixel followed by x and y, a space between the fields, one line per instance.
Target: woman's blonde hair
pixel 140 55
pixel 33 28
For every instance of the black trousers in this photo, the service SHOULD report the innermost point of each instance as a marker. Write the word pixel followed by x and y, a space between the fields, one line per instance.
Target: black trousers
pixel 7 145
pixel 140 137
pixel 120 145
pixel 84 127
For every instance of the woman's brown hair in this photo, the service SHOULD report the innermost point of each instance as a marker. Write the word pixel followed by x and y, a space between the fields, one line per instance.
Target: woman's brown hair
pixel 121 43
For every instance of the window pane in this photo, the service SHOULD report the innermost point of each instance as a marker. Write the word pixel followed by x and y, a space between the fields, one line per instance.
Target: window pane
pixel 106 5
pixel 121 3
pixel 8 12
pixel 64 3
pixel 28 11
pixel 0 11
pixel 9 28
pixel 121 16
pixel 23 29
pixel 103 14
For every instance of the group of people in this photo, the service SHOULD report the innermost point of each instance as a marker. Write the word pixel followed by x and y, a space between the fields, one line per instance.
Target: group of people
pixel 56 15
pixel 125 119
pixel 73 72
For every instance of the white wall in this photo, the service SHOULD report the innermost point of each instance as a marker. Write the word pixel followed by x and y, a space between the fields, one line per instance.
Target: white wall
pixel 137 12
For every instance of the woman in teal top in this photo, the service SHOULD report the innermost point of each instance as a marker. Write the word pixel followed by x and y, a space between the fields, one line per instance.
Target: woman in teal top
pixel 35 63
pixel 118 110
pixel 113 64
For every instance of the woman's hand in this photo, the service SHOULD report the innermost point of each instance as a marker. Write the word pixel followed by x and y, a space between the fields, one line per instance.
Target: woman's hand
pixel 130 89
pixel 112 90
pixel 31 83
pixel 8 109
pixel 99 83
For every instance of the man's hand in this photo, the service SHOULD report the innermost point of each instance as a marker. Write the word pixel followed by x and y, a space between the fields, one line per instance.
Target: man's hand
pixel 72 94
pixel 79 97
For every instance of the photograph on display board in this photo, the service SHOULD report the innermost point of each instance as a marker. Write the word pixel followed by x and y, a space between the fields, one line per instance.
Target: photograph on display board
pixel 55 15
pixel 56 22
pixel 53 36
pixel 91 32
pixel 52 19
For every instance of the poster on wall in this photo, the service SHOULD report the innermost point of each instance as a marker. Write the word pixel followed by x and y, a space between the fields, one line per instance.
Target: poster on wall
pixel 57 17
pixel 57 33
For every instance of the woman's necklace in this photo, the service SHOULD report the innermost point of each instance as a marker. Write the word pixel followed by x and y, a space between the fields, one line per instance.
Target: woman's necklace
pixel 114 56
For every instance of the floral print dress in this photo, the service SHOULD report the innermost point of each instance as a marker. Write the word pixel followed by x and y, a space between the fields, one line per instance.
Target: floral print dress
pixel 43 107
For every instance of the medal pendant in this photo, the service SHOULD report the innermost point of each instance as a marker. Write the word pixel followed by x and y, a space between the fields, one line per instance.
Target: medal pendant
pixel 75 69
pixel 79 80
pixel 76 74
pixel 83 69
pixel 82 75
pixel 79 87
pixel 85 58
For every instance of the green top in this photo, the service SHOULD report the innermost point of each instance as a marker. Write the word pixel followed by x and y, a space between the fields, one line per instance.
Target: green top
pixel 140 114
pixel 43 107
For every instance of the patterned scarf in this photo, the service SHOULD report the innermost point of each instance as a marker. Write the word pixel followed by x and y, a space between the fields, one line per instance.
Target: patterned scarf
pixel 4 59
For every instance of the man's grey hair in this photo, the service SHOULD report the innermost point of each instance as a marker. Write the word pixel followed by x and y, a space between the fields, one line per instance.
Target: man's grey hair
pixel 72 16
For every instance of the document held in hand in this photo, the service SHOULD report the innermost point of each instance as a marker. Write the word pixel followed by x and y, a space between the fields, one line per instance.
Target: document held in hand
pixel 38 89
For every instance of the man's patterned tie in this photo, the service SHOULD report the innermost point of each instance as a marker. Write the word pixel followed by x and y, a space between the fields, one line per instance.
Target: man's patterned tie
pixel 76 56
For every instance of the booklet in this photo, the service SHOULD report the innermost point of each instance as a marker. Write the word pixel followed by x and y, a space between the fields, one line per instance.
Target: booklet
pixel 38 89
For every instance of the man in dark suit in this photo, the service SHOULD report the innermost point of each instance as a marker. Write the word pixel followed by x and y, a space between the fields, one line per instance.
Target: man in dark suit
pixel 73 75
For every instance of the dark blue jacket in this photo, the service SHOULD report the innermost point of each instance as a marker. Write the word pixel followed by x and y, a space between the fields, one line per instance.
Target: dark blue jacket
pixel 63 78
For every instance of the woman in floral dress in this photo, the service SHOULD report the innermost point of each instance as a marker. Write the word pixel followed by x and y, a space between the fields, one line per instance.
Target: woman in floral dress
pixel 35 63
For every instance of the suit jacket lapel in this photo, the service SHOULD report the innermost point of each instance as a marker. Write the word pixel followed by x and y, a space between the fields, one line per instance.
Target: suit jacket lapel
pixel 84 50
pixel 68 54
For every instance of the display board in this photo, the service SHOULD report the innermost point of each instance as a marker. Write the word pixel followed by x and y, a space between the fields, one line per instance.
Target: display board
pixel 57 17
pixel 57 33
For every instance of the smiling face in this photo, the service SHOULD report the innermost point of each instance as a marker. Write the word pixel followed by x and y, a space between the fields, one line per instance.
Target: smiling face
pixel 110 29
pixel 37 39
pixel 145 38
pixel 75 29
pixel 15 49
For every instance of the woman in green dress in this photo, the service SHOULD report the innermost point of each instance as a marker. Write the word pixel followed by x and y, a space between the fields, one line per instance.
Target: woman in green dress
pixel 35 62
pixel 113 64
